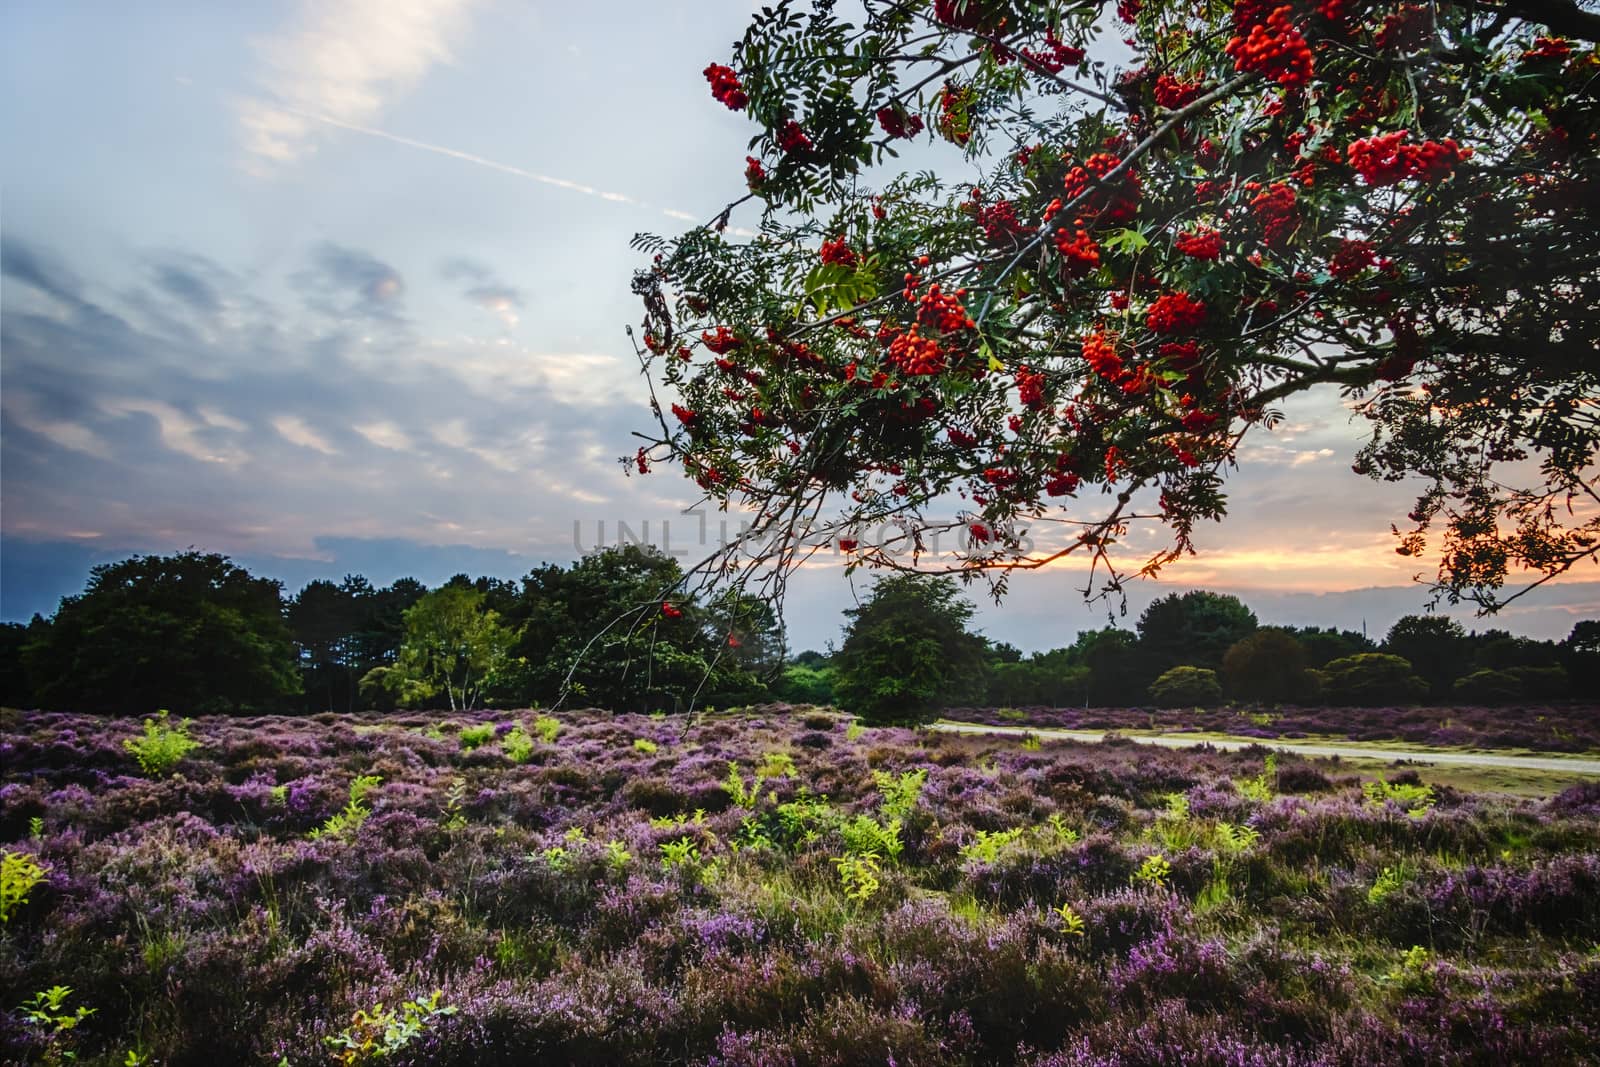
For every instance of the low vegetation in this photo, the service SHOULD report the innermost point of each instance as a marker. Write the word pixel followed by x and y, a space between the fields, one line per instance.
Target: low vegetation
pixel 778 886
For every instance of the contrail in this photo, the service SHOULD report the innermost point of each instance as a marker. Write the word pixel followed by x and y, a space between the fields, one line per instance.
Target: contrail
pixel 504 168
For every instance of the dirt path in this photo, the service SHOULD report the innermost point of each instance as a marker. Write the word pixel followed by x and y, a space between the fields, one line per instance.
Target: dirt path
pixel 1567 764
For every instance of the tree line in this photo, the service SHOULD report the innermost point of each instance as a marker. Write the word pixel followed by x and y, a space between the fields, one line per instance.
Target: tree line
pixel 197 633
pixel 909 649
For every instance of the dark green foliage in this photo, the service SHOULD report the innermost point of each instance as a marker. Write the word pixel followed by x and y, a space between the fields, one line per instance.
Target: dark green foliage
pixel 602 620
pixel 907 651
pixel 1580 654
pixel 192 632
pixel 1510 686
pixel 1186 687
pixel 15 692
pixel 1372 678
pixel 1116 674
pixel 799 684
pixel 1498 651
pixel 1323 644
pixel 1436 647
pixel 1195 628
pixel 1268 666
pixel 1487 687
pixel 1049 678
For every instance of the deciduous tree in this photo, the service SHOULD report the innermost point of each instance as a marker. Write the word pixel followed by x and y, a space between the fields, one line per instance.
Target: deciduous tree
pixel 907 651
pixel 1131 259
pixel 453 645
pixel 193 632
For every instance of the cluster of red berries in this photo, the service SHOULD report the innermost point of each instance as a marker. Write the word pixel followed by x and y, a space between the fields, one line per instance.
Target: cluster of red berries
pixel 792 138
pixel 999 222
pixel 914 355
pixel 1000 477
pixel 1202 244
pixel 1121 204
pixel 838 251
pixel 1101 354
pixel 1054 56
pixel 955 123
pixel 670 611
pixel 725 86
pixel 1030 388
pixel 1548 48
pixel 965 14
pixel 1334 11
pixel 722 342
pixel 642 461
pixel 1274 207
pixel 898 122
pixel 962 439
pixel 1062 484
pixel 1114 463
pixel 1183 356
pixel 981 534
pixel 1274 48
pixel 1175 313
pixel 944 310
pixel 1079 252
pixel 1387 159
pixel 687 416
pixel 755 175
pixel 1351 259
pixel 1172 94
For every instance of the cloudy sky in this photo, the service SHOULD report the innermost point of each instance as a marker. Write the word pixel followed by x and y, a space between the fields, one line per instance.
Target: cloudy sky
pixel 341 287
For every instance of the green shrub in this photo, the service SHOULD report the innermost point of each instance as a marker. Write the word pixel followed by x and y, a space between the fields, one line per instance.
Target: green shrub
pixel 1269 665
pixel 987 847
pixel 381 1032
pixel 1416 799
pixel 517 745
pixel 735 787
pixel 858 876
pixel 645 745
pixel 46 1013
pixel 19 873
pixel 355 812
pixel 1371 678
pixel 900 794
pixel 1183 687
pixel 547 728
pixel 1511 685
pixel 1264 786
pixel 864 834
pixel 475 736
pixel 800 684
pixel 160 748
pixel 1154 871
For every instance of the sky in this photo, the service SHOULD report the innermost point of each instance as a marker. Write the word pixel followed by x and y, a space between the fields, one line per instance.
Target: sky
pixel 341 287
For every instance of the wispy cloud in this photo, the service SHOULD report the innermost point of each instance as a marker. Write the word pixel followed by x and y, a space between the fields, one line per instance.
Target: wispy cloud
pixel 337 65
pixel 482 161
pixel 294 430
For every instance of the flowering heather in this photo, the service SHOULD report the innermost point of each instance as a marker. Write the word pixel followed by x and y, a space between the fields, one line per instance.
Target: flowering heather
pixel 775 887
